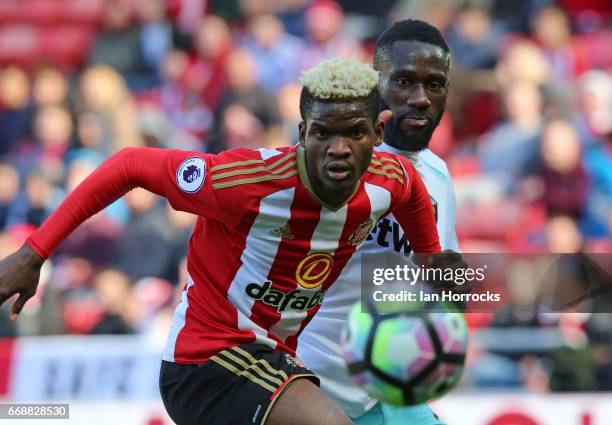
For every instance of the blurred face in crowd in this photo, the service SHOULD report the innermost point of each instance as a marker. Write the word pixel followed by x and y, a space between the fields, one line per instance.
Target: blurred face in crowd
pixel 338 138
pixel 551 27
pixel 9 183
pixel 38 190
pixel 212 37
pixel 414 86
pixel 151 10
pixel 53 126
pixel 267 30
pixel 90 130
pixel 50 87
pixel 14 88
pixel 324 21
pixel 117 15
pixel 241 129
pixel 522 61
pixel 560 147
pixel 102 88
pixel 474 24
pixel 114 290
pixel 241 72
pixel 523 103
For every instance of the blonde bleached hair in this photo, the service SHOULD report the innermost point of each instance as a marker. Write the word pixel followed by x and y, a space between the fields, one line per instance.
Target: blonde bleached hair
pixel 340 78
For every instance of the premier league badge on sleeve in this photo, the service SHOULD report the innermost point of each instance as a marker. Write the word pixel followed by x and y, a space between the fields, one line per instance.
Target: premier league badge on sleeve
pixel 191 174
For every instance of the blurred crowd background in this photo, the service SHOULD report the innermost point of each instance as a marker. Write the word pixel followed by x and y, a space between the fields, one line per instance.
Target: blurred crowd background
pixel 526 136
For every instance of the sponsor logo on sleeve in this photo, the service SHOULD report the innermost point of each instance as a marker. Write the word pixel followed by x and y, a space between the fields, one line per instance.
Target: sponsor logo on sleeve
pixel 191 174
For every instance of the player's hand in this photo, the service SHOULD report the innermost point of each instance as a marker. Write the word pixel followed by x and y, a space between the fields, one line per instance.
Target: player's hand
pixel 445 260
pixel 19 274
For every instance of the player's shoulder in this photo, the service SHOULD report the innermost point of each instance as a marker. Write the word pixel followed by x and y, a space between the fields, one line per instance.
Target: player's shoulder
pixel 387 170
pixel 434 162
pixel 239 167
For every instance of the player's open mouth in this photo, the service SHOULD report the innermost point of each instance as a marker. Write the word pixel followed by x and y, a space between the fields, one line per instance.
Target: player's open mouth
pixel 337 170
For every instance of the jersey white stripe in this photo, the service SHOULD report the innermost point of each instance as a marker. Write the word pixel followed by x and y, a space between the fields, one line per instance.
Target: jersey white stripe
pixel 380 200
pixel 268 153
pixel 258 256
pixel 325 238
pixel 178 322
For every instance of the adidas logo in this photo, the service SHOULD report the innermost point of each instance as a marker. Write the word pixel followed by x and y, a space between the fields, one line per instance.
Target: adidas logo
pixel 282 232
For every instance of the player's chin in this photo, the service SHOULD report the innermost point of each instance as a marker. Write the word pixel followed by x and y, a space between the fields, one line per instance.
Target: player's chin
pixel 340 183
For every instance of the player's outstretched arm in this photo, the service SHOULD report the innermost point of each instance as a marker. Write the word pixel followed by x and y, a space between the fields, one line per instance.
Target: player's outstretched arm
pixel 127 169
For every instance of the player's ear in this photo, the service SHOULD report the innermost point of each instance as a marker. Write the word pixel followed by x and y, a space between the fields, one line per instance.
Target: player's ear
pixel 302 133
pixel 379 126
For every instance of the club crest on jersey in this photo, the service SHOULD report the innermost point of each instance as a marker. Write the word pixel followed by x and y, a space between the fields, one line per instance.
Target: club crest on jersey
pixel 361 233
pixel 314 269
pixel 191 174
pixel 297 300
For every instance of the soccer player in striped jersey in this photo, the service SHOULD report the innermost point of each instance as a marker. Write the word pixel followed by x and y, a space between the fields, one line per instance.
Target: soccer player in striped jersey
pixel 414 62
pixel 275 229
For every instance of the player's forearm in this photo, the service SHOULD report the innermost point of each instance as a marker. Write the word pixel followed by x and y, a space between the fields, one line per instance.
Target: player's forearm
pixel 127 169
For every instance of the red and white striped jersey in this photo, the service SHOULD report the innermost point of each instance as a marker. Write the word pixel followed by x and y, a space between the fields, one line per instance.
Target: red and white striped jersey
pixel 265 249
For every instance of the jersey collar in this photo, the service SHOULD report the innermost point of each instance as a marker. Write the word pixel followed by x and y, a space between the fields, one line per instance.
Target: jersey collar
pixel 413 157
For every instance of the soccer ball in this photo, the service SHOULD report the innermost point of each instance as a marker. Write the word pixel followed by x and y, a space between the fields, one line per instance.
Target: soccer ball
pixel 406 357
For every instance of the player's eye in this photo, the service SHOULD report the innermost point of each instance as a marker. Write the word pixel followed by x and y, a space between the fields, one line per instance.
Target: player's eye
pixel 434 86
pixel 402 82
pixel 321 134
pixel 357 133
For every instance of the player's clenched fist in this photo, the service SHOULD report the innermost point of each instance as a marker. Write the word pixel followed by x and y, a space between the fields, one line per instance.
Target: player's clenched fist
pixel 19 274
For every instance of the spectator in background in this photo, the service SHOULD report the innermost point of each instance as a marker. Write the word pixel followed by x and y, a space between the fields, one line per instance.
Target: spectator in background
pixel 563 178
pixel 118 45
pixel 50 88
pixel 93 138
pixel 324 20
pixel 205 74
pixel 181 101
pixel 15 112
pixel 51 140
pixel 509 151
pixel 119 305
pixel 594 117
pixel 563 235
pixel 594 126
pixel 155 33
pixel 551 30
pixel 39 194
pixel 241 128
pixel 9 189
pixel 521 60
pixel 104 93
pixel 288 101
pixel 276 53
pixel 142 247
pixel 514 16
pixel 244 92
pixel 474 39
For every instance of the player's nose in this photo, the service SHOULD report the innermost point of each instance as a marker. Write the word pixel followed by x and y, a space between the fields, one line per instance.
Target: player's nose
pixel 339 147
pixel 418 98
